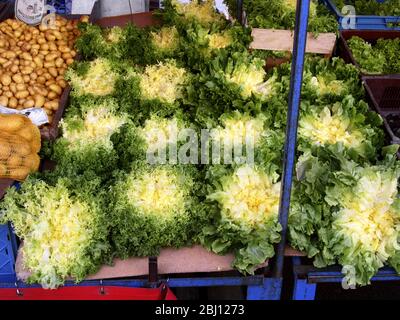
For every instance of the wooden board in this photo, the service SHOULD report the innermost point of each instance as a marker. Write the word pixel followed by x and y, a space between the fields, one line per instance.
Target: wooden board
pixel 170 261
pixel 290 252
pixel 4 185
pixel 144 19
pixel 282 40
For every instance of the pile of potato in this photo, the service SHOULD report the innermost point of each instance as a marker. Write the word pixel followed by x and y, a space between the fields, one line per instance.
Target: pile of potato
pixel 19 147
pixel 33 61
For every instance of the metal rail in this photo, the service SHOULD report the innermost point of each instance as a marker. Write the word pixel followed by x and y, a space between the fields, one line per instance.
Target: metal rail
pixel 299 48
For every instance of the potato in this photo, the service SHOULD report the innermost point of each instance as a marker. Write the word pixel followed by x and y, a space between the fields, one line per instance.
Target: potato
pixel 39 100
pixel 50 37
pixel 40 71
pixel 7 64
pixel 12 102
pixel 28 36
pixel 13 87
pixel 4 60
pixel 41 80
pixel 49 64
pixel 56 88
pixel 33 76
pixel 47 76
pixel 27 70
pixel 41 40
pixel 38 62
pixel 22 94
pixel 9 55
pixel 53 46
pixel 64 49
pixel 57 34
pixel 41 90
pixel 14 69
pixel 53 71
pixel 5 79
pixel 52 95
pixel 59 62
pixel 66 56
pixel 48 110
pixel 51 57
pixel 26 56
pixel 4 101
pixel 44 47
pixel 70 61
pixel 29 104
pixel 62 83
pixel 21 87
pixel 26 78
pixel 8 94
pixel 52 105
pixel 17 78
pixel 31 90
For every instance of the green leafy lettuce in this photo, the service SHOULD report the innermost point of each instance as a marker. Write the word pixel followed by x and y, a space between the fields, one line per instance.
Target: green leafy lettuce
pixel 64 228
pixel 85 143
pixel 376 8
pixel 381 58
pixel 156 207
pixel 229 82
pixel 347 127
pixel 280 14
pixel 244 204
pixel 348 214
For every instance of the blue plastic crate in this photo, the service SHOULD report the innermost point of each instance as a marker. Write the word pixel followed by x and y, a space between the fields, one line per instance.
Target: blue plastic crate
pixel 8 252
pixel 59 5
pixel 366 22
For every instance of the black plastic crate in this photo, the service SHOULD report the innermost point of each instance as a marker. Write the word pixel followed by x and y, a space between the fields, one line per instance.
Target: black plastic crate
pixel 383 94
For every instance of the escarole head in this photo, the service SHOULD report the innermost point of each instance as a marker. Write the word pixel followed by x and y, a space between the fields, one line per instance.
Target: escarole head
pixel 158 193
pixel 330 127
pixel 249 197
pixel 163 81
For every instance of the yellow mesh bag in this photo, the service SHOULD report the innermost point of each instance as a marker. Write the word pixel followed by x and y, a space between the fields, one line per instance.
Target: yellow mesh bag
pixel 19 145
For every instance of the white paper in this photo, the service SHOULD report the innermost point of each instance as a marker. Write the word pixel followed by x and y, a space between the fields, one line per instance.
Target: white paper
pixel 30 11
pixel 37 115
pixel 82 6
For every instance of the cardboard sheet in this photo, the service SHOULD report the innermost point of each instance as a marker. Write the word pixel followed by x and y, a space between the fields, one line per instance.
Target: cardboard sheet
pixel 170 261
pixel 282 40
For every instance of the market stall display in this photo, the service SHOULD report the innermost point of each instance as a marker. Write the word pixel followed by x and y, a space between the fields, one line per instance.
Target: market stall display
pixel 195 71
